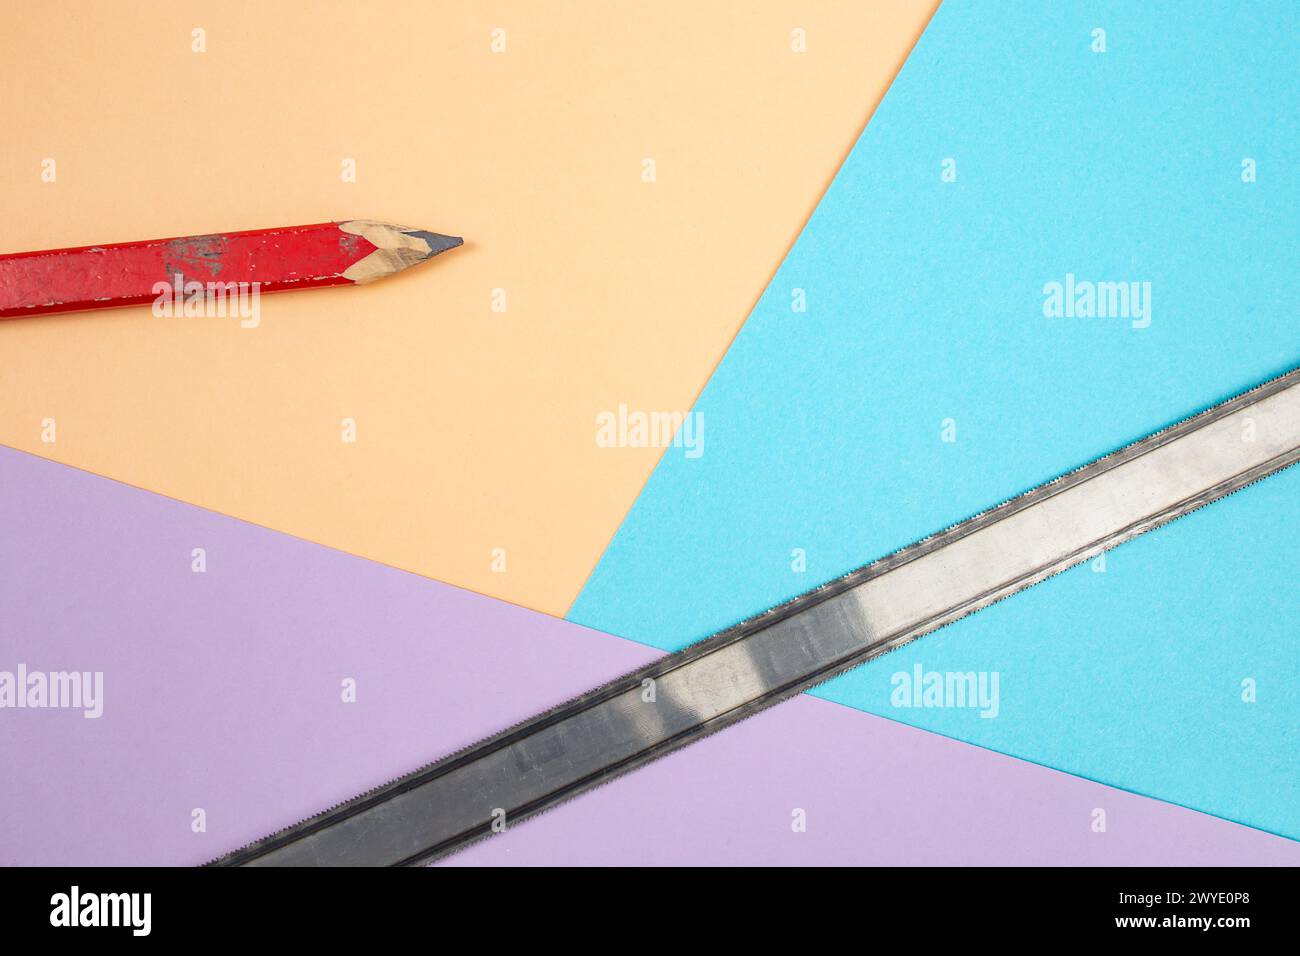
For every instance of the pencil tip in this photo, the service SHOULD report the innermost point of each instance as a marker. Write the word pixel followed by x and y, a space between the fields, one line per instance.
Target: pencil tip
pixel 396 248
pixel 436 241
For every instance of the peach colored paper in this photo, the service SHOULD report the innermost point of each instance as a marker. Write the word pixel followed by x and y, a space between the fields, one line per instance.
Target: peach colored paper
pixel 524 127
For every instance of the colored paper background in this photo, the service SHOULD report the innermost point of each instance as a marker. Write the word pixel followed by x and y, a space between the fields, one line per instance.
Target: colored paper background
pixel 222 691
pixel 475 429
pixel 925 310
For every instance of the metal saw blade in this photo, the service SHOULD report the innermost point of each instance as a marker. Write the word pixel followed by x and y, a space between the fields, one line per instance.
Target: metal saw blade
pixel 710 685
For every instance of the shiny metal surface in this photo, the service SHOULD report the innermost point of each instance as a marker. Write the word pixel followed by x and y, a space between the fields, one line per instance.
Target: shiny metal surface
pixel 769 658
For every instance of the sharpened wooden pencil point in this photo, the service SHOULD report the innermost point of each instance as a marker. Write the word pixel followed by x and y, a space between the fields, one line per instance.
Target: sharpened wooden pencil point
pixel 351 252
pixel 396 248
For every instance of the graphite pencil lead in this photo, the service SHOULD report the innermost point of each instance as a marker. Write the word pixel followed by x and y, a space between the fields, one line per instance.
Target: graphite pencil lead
pixel 437 242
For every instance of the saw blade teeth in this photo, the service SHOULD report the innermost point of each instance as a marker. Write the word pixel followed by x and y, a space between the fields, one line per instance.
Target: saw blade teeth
pixel 805 641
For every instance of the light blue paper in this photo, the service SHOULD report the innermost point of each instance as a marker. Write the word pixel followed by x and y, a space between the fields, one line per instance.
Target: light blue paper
pixel 925 317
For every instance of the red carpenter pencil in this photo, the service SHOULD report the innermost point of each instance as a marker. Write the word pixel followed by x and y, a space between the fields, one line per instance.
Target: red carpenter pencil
pixel 268 260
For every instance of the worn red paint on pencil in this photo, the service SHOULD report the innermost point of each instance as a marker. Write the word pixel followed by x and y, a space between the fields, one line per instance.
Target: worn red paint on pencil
pixel 269 260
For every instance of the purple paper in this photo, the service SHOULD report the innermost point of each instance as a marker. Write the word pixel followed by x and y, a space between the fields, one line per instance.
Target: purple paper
pixel 873 793
pixel 223 692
